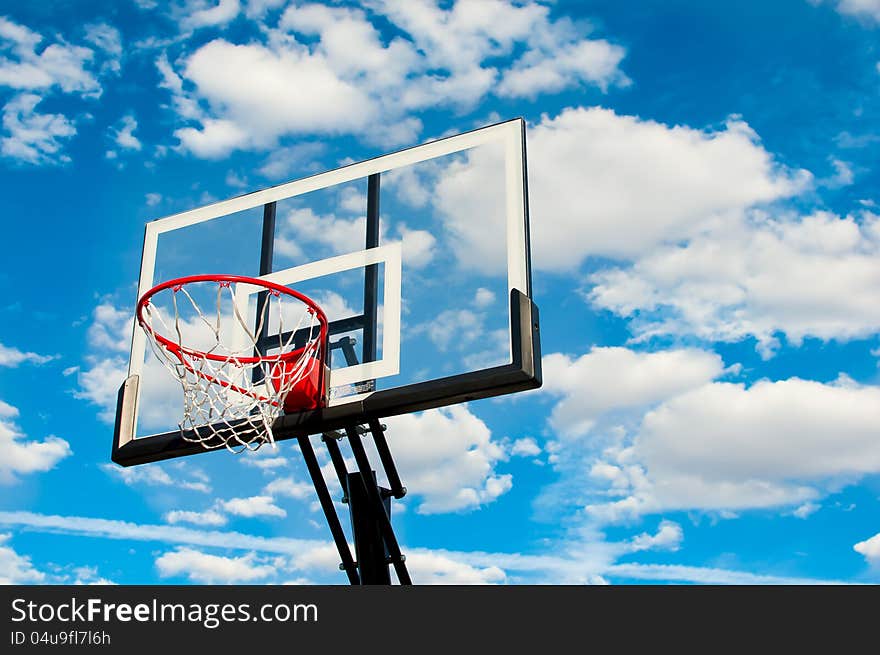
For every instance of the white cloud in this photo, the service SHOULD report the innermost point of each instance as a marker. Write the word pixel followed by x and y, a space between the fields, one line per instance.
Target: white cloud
pixel 571 563
pixel 330 70
pixel 12 357
pixel 212 569
pixel 264 463
pixel 21 455
pixel 292 161
pixel 593 62
pixel 438 569
pixel 105 369
pixel 106 37
pixel 252 507
pixel 483 298
pixel 417 246
pixel 15 568
pixel 447 457
pixel 258 8
pixel 613 378
pixel 113 529
pixel 267 99
pixel 870 549
pixel 709 576
pixel 33 137
pixel 336 234
pixel 99 384
pixel 209 517
pixel 843 175
pixel 668 537
pixel 525 447
pixel 290 487
pixel 806 510
pixel 869 9
pixel 209 13
pixel 85 575
pixel 155 476
pixel 58 65
pixel 453 328
pixel 755 277
pixel 723 446
pixel 111 328
pixel 215 139
pixel 639 183
pixel 124 136
pixel 153 199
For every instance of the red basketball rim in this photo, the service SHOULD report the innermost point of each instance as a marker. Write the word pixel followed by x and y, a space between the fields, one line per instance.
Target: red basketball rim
pixel 269 286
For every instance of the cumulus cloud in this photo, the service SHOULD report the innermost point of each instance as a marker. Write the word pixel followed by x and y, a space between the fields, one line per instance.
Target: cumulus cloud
pixel 668 537
pixel 155 475
pixel 21 455
pixel 196 14
pixel 32 137
pixel 525 447
pixel 439 569
pixel 345 232
pixel 106 367
pixel 614 186
pixel 209 517
pixel 58 65
pixel 254 506
pixel 593 62
pixel 287 161
pixel 212 569
pixel 35 70
pixel 448 458
pixel 329 70
pixel 870 549
pixel 15 568
pixel 757 276
pixel 725 446
pixel 609 379
pixel 290 487
pixel 124 135
pixel 108 40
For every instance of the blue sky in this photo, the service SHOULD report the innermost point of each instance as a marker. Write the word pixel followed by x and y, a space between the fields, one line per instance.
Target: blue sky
pixel 706 240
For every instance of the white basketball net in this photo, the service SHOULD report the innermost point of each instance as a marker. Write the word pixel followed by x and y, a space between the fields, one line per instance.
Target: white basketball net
pixel 233 390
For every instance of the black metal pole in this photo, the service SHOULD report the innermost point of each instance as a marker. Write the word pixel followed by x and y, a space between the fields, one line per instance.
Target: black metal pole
pixel 371 272
pixel 338 462
pixel 369 546
pixel 348 563
pixel 378 506
pixel 397 488
pixel 267 249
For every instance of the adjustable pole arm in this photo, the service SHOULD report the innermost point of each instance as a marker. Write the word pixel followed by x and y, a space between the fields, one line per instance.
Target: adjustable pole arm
pixel 378 431
pixel 348 563
pixel 378 507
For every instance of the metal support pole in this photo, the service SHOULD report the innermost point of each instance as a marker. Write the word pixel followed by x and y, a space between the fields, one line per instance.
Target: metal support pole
pixel 378 506
pixel 348 563
pixel 330 440
pixel 371 272
pixel 378 430
pixel 369 547
pixel 267 249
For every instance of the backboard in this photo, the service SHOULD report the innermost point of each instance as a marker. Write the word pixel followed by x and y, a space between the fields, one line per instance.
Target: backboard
pixel 420 259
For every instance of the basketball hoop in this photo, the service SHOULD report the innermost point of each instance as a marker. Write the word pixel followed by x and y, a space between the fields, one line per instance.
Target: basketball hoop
pixel 236 380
